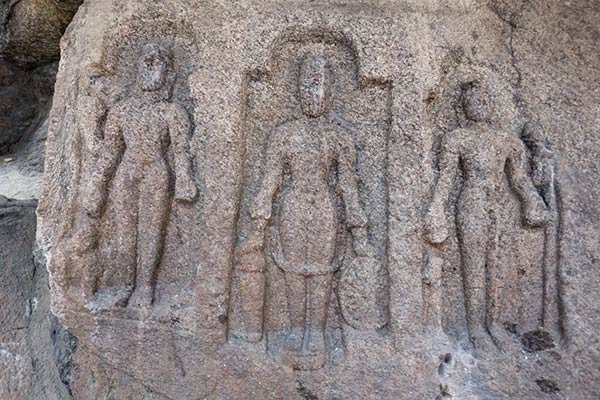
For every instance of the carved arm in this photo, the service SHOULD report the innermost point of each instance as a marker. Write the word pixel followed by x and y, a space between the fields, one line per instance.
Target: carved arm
pixel 179 129
pixel 110 153
pixel 536 213
pixel 262 204
pixel 436 220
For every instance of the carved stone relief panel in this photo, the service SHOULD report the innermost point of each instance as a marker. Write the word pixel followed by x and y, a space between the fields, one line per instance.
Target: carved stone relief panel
pixel 297 199
pixel 311 250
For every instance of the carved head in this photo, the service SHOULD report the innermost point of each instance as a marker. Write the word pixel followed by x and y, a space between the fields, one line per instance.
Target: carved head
pixel 476 102
pixel 315 86
pixel 154 68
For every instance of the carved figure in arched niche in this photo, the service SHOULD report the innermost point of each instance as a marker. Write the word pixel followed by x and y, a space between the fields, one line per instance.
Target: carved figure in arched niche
pixel 306 152
pixel 139 133
pixel 481 153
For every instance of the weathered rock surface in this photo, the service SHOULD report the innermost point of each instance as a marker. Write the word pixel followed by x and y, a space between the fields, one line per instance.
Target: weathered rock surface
pixel 327 200
pixel 35 352
pixel 30 32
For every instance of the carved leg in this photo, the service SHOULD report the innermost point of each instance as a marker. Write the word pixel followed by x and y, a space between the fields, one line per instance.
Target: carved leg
pixel 296 295
pixel 252 291
pixel 154 208
pixel 497 278
pixel 471 222
pixel 308 352
pixel 117 281
pixel 89 282
pixel 319 287
pixel 83 245
pixel 250 263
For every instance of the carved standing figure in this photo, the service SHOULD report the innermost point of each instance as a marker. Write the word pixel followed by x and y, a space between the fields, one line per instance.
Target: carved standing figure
pixel 306 152
pixel 139 132
pixel 482 153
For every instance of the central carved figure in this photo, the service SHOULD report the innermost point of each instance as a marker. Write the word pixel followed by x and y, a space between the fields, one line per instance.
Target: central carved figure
pixel 305 154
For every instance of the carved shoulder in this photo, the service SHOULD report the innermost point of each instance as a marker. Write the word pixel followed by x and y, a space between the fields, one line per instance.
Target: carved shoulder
pixel 279 135
pixel 515 143
pixel 453 141
pixel 119 109
pixel 288 127
pixel 178 112
pixel 115 114
pixel 344 137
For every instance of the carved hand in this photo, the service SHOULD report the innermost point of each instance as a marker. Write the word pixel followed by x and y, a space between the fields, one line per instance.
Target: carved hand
pixel 249 255
pixel 436 225
pixel 246 247
pixel 360 243
pixel 185 190
pixel 93 200
pixel 260 209
pixel 536 213
pixel 85 236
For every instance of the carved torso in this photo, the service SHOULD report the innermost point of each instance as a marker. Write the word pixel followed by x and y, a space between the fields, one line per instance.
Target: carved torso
pixel 308 153
pixel 308 219
pixel 483 155
pixel 145 131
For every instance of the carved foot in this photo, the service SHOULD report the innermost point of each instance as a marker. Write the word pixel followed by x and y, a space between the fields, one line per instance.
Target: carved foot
pixel 483 344
pixel 313 357
pixel 109 299
pixel 252 336
pixel 305 360
pixel 88 290
pixel 293 342
pixel 316 343
pixel 502 339
pixel 161 312
pixel 141 298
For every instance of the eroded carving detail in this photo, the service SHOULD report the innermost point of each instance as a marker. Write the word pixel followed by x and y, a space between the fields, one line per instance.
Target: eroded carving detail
pixel 140 133
pixel 481 153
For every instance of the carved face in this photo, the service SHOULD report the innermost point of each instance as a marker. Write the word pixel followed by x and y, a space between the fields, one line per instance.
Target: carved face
pixel 476 103
pixel 315 87
pixel 153 68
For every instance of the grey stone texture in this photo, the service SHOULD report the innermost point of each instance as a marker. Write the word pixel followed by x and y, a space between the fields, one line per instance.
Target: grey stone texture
pixel 327 200
pixel 26 100
pixel 35 352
